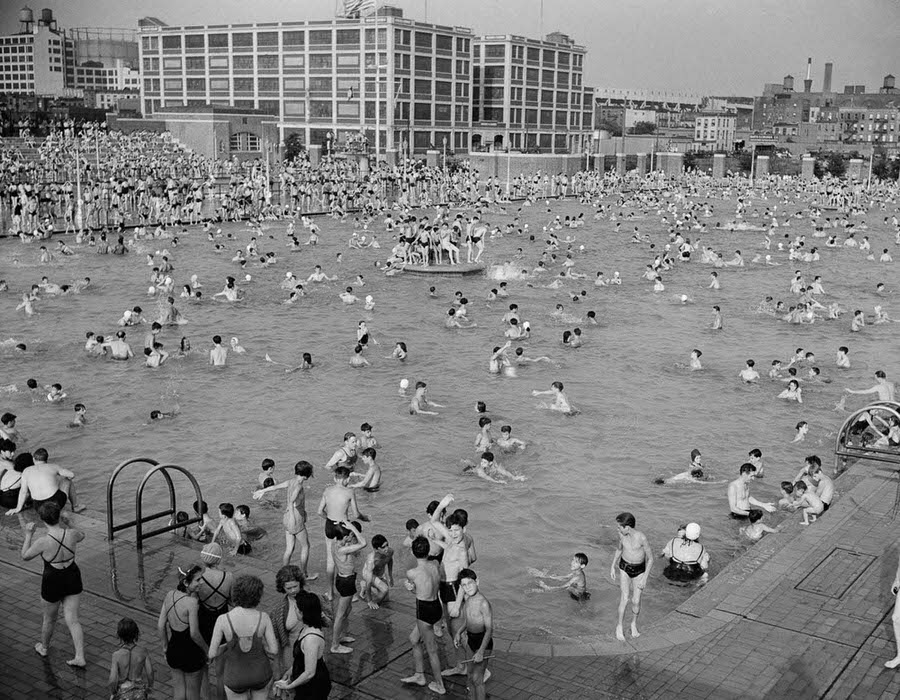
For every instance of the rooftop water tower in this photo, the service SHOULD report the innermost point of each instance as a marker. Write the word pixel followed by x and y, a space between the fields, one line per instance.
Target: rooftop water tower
pixel 788 83
pixel 26 20
pixel 46 19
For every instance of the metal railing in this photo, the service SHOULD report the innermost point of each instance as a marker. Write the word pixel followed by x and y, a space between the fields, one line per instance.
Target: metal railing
pixel 140 518
pixel 850 443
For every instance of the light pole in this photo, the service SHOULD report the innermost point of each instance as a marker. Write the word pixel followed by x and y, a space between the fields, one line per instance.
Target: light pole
pixel 445 152
pixel 79 219
pixel 328 137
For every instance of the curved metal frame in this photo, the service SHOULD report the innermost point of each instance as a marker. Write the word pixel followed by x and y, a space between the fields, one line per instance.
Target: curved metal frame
pixel 842 451
pixel 139 508
pixel 112 528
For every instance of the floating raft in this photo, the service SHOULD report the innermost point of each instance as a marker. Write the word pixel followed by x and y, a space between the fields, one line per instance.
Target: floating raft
pixel 446 270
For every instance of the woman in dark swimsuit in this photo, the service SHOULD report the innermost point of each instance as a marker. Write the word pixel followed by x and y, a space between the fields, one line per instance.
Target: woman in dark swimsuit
pixel 213 597
pixel 179 628
pixel 10 475
pixel 310 674
pixel 61 580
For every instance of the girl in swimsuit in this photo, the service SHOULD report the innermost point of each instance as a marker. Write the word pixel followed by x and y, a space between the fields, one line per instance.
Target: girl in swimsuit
pixel 179 624
pixel 61 581
pixel 311 680
pixel 131 670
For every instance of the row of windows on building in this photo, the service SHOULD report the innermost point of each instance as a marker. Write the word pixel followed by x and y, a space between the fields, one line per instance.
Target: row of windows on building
pixel 533 55
pixel 294 63
pixel 321 38
pixel 533 96
pixel 345 88
pixel 531 76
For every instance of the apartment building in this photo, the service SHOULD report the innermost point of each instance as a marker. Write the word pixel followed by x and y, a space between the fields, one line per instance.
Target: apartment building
pixel 405 85
pixel 528 94
pixel 714 131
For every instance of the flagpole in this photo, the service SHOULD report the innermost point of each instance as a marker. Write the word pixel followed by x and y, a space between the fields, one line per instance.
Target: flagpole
pixel 541 35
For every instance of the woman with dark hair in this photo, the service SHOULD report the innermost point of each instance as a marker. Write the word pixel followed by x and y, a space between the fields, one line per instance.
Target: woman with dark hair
pixel 289 581
pixel 310 674
pixel 11 473
pixel 179 629
pixel 246 638
pixel 61 580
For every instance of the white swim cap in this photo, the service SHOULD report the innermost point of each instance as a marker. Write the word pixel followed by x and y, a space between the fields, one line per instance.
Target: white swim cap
pixel 127 313
pixel 581 248
pixel 684 297
pixel 692 531
pixel 288 274
pixel 234 340
pixel 369 298
pixel 248 277
pixel 404 383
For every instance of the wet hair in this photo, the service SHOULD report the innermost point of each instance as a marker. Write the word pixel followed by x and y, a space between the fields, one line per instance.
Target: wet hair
pixel 801 486
pixel 310 608
pixel 755 452
pixel 412 524
pixel 303 468
pixel 49 512
pixel 625 519
pixel 217 339
pixel 41 454
pixel 480 406
pixel 200 507
pixel 483 421
pixel 581 558
pixel 787 486
pixel 467 573
pixel 557 385
pixel 462 516
pixel 226 509
pixel 244 510
pixel 181 517
pixel 7 418
pixel 378 541
pixel 814 460
pixel 268 481
pixel 247 591
pixel 267 464
pixel 127 631
pixel 188 576
pixel 747 468
pixel 341 473
pixel 32 383
pixel 364 427
pixel 370 453
pixel 750 363
pixel 289 573
pixel 420 547
pixel 755 515
pixel 489 456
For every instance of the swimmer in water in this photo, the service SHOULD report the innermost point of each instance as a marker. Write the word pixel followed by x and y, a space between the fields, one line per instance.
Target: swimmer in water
pixel 399 352
pixel 793 392
pixel 694 472
pixel 236 346
pixel 420 403
pixel 357 360
pixel 522 359
pixel 842 359
pixel 507 443
pixel 156 415
pixel 575 580
pixel 79 419
pixel 695 360
pixel 560 400
pixel 717 319
pixel 749 374
pixel 489 470
pixel 802 429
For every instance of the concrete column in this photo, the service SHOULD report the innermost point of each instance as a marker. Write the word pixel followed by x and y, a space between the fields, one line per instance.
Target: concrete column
pixel 433 159
pixel 662 159
pixel 315 155
pixel 808 171
pixel 854 172
pixel 642 164
pixel 675 164
pixel 762 166
pixel 718 166
pixel 620 163
pixel 390 156
pixel 364 165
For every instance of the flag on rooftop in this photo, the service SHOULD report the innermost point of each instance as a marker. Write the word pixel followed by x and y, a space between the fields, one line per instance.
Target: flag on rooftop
pixel 357 8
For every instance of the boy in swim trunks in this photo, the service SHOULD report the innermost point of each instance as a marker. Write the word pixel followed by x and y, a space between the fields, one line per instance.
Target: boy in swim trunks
pixel 634 559
pixel 232 531
pixel 423 581
pixel 338 503
pixel 371 480
pixel 479 629
pixel 575 582
pixel 344 550
pixel 377 573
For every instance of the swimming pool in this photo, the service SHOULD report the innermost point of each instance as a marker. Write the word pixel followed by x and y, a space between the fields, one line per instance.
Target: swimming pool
pixel 641 411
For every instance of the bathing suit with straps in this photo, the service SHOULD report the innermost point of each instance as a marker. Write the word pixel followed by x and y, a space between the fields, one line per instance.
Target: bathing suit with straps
pixel 684 571
pixel 319 686
pixel 246 669
pixel 9 498
pixel 182 653
pixel 59 582
pixel 206 614
pixel 130 689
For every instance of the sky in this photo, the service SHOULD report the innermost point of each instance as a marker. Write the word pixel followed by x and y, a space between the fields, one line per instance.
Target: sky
pixel 706 47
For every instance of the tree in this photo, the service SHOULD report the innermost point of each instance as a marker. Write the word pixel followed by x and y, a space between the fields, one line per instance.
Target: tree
pixel 835 164
pixel 293 146
pixel 613 128
pixel 643 128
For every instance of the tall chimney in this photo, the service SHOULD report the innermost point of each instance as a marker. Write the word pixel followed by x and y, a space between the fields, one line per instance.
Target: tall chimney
pixel 826 84
pixel 807 83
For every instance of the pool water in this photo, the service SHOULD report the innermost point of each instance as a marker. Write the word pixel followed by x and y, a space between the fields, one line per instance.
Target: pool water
pixel 641 411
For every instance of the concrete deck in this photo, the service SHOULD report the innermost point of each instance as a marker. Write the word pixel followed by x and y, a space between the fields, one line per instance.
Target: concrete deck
pixel 805 613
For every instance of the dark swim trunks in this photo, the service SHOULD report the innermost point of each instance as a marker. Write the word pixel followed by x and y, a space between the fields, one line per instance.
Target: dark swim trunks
pixel 345 585
pixel 447 591
pixel 333 531
pixel 474 640
pixel 59 498
pixel 429 611
pixel 827 505
pixel 737 516
pixel 371 489
pixel 633 570
pixel 580 597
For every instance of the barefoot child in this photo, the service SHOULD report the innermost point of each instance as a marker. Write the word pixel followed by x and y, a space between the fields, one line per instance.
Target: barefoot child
pixel 131 668
pixel 377 573
pixel 575 581
pixel 231 530
pixel 812 505
pixel 755 530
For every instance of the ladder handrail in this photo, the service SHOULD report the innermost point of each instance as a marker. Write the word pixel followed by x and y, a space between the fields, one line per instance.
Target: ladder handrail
pixel 111 529
pixel 139 508
pixel 842 450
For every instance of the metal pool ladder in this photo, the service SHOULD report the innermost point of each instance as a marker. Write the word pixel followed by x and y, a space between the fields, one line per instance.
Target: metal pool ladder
pixel 848 442
pixel 139 517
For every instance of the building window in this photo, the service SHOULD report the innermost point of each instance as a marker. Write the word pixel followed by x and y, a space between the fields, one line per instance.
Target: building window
pixel 218 62
pixel 243 84
pixel 320 37
pixel 423 64
pixel 462 67
pixel 294 61
pixel 443 113
pixel 244 141
pixel 243 63
pixel 347 37
pixel 194 41
pixel 443 88
pixel 267 39
pixel 242 40
pixel 443 42
pixel 422 111
pixel 196 84
pixel 266 62
pixel 401 37
pixel 319 61
pixel 173 85
pixel 196 63
pixel 171 41
pixel 173 63
pixel 348 109
pixel 348 60
pixel 294 108
pixel 424 40
pixel 320 84
pixel 293 39
pixel 494 74
pixel 443 65
pixel 495 51
pixel 149 43
pixel 320 109
pixel 268 84
pixel 294 84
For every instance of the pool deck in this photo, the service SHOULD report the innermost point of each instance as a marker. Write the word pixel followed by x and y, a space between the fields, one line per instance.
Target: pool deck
pixel 805 613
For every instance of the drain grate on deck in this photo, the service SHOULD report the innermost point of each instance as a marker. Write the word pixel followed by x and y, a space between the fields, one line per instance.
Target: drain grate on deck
pixel 836 573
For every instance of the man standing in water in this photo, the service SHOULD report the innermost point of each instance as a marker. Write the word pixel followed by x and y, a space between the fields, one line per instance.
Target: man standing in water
pixel 337 505
pixel 739 498
pixel 883 388
pixel 634 559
